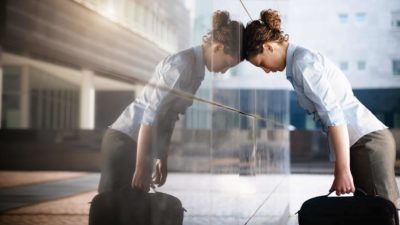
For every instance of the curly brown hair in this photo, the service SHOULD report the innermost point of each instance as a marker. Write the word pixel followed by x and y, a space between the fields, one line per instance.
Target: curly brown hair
pixel 227 32
pixel 265 29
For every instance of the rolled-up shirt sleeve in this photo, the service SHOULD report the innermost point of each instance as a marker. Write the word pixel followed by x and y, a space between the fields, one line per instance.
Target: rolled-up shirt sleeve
pixel 157 94
pixel 318 89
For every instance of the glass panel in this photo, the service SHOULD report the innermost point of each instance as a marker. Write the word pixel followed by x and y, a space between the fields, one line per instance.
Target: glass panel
pixel 396 67
pixel 223 174
pixel 361 17
pixel 51 101
pixel 343 18
pixel 344 66
pixel 396 20
pixel 11 97
pixel 227 147
pixel 361 65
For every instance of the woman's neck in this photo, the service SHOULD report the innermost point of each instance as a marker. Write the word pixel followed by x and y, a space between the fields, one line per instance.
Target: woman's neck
pixel 206 55
pixel 285 46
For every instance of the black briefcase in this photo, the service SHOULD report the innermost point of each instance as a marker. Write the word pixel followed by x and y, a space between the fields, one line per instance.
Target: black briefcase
pixel 359 209
pixel 133 207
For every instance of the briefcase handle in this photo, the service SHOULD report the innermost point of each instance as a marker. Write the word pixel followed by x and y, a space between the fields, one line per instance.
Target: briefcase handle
pixel 358 190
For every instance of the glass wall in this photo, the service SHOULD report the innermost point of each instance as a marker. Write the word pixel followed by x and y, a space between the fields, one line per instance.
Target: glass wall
pixel 237 170
pixel 11 97
pixel 228 159
pixel 34 99
pixel 143 18
pixel 54 103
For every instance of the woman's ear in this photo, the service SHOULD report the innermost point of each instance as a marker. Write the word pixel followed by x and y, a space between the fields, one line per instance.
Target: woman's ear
pixel 217 47
pixel 267 47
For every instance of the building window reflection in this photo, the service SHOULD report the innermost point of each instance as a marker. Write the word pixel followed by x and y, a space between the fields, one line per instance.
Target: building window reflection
pixel 361 17
pixel 140 17
pixel 344 65
pixel 396 20
pixel 37 100
pixel 343 18
pixel 361 65
pixel 396 67
pixel 11 97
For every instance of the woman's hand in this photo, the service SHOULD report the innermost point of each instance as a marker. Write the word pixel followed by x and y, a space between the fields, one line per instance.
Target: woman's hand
pixel 142 178
pixel 343 182
pixel 161 171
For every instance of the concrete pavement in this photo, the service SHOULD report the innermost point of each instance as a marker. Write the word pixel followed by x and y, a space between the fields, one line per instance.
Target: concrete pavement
pixel 209 199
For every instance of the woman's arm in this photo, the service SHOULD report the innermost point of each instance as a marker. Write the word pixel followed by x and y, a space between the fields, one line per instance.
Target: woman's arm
pixel 343 182
pixel 156 98
pixel 309 71
pixel 162 147
pixel 144 157
pixel 144 162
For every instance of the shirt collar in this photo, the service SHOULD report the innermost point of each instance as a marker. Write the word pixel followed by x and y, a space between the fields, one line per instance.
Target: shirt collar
pixel 289 60
pixel 200 66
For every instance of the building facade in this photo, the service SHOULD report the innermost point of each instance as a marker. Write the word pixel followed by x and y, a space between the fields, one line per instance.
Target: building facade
pixel 64 61
pixel 363 39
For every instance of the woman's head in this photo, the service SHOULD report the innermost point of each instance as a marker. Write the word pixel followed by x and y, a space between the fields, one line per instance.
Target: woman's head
pixel 265 43
pixel 223 44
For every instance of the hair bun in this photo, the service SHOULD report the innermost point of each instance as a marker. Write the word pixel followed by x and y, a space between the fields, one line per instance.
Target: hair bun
pixel 271 19
pixel 220 19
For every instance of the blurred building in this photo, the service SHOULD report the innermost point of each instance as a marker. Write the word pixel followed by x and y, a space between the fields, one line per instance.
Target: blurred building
pixel 66 62
pixel 363 39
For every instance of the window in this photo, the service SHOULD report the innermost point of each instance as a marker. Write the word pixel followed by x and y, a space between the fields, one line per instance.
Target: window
pixel 396 20
pixel 361 65
pixel 11 97
pixel 396 120
pixel 396 67
pixel 343 17
pixel 344 65
pixel 361 17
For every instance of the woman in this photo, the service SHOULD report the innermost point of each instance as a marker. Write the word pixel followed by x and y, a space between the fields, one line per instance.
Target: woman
pixel 364 148
pixel 147 123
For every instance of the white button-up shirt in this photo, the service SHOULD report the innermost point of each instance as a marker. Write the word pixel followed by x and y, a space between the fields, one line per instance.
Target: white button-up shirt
pixel 183 71
pixel 324 91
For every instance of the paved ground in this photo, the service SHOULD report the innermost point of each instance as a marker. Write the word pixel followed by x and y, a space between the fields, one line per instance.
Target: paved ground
pixel 68 211
pixel 230 199
pixel 19 196
pixel 15 178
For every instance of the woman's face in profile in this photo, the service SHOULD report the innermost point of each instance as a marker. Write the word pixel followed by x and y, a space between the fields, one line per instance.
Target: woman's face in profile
pixel 270 60
pixel 219 61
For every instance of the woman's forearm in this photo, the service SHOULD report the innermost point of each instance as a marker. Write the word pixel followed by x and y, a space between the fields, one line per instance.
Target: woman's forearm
pixel 144 155
pixel 142 176
pixel 340 141
pixel 343 182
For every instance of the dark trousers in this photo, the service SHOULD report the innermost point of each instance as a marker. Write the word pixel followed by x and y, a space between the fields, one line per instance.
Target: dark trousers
pixel 118 152
pixel 372 161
